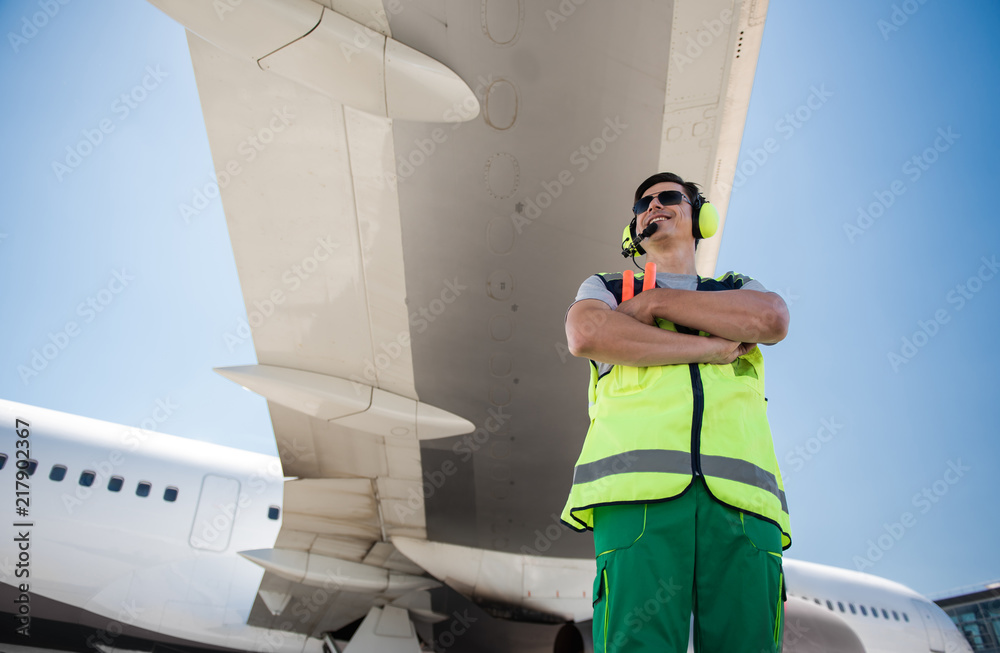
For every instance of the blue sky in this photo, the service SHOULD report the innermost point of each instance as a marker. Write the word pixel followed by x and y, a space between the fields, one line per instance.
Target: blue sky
pixel 889 462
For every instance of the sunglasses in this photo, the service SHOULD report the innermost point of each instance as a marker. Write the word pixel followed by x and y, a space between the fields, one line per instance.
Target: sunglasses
pixel 665 198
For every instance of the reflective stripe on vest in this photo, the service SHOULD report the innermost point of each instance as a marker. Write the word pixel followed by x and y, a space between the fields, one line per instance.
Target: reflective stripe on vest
pixel 679 462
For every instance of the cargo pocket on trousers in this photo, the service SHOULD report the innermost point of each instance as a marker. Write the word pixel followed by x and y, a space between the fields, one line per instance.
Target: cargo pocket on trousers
pixel 763 535
pixel 600 624
pixel 779 610
pixel 618 526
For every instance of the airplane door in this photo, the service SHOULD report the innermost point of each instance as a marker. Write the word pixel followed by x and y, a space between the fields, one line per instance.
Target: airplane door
pixel 216 512
pixel 934 637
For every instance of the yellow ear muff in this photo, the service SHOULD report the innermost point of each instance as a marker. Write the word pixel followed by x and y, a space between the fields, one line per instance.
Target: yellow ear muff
pixel 627 237
pixel 708 220
pixel 629 246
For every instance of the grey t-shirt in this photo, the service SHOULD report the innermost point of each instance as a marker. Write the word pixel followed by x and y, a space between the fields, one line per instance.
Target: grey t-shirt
pixel 594 288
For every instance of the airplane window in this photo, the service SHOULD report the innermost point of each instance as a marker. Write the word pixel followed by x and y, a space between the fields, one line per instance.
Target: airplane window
pixel 875 612
pixel 817 602
pixel 32 466
pixel 87 478
pixel 829 604
pixel 170 494
pixel 905 618
pixel 841 606
pixel 853 611
pixel 273 512
pixel 3 460
pixel 863 611
pixel 895 615
pixel 115 484
pixel 884 613
pixel 142 490
pixel 58 473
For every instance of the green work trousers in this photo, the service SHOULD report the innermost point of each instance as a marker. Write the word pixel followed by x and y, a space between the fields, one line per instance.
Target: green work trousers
pixel 657 563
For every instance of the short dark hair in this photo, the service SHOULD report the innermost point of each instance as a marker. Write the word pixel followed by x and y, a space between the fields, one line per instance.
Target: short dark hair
pixel 690 189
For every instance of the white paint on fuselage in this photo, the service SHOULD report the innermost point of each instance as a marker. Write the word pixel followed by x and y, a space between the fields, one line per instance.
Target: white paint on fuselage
pixel 130 558
pixel 852 589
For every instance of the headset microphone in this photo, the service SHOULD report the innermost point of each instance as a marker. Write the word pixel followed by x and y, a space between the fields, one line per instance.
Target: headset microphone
pixel 633 247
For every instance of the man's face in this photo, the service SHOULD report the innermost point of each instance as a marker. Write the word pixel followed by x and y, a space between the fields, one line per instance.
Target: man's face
pixel 674 221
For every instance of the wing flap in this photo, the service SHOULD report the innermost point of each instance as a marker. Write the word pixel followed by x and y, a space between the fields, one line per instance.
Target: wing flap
pixel 287 175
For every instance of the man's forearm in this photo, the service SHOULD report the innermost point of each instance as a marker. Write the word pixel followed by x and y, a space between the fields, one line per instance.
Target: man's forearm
pixel 608 336
pixel 740 315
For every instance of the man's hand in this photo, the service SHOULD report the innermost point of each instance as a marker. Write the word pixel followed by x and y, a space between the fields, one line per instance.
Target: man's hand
pixel 639 308
pixel 728 351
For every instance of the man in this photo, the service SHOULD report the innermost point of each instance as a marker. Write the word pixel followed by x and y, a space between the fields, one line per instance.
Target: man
pixel 677 476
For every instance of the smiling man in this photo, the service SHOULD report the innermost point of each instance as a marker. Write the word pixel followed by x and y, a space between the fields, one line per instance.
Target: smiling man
pixel 677 477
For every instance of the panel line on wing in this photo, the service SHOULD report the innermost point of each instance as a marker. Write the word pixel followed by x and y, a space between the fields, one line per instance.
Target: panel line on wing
pixel 363 276
pixel 311 30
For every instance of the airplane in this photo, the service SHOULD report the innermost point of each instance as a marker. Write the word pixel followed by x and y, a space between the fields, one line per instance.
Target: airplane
pixel 397 180
pixel 135 538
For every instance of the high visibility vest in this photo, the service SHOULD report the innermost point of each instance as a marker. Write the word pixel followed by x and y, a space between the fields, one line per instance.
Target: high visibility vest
pixel 653 428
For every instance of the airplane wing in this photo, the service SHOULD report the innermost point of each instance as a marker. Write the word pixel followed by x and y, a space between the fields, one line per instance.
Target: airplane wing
pixel 317 243
pixel 407 243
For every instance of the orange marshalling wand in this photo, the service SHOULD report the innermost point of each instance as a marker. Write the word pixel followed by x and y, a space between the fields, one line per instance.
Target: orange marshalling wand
pixel 628 285
pixel 649 276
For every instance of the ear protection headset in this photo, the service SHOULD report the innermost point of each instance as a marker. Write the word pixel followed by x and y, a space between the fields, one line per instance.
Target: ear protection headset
pixel 704 224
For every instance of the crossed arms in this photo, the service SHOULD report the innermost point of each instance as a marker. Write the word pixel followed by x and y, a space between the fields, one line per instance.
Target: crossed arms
pixel 628 335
